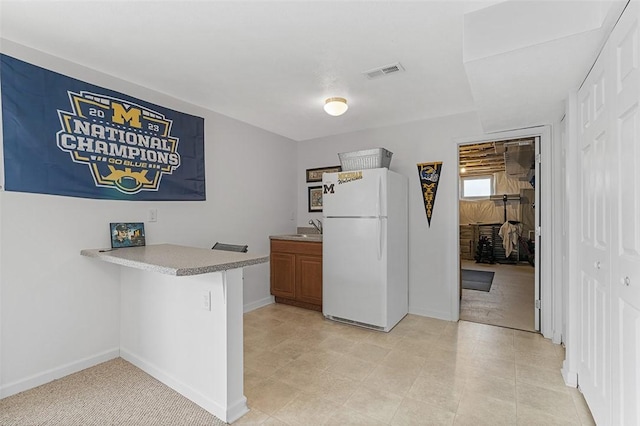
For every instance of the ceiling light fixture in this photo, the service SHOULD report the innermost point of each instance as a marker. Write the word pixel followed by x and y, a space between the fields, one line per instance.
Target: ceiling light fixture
pixel 335 106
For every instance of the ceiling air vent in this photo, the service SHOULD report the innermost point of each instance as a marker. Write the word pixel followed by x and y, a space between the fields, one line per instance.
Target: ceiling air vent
pixel 385 70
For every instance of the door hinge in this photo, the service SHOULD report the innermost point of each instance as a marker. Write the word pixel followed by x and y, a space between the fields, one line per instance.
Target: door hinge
pixel 538 304
pixel 538 158
pixel 538 231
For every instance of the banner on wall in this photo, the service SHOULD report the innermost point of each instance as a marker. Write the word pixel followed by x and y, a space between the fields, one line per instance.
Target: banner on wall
pixel 63 136
pixel 429 174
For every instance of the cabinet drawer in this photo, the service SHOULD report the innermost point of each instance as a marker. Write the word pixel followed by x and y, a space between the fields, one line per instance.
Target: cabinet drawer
pixel 296 247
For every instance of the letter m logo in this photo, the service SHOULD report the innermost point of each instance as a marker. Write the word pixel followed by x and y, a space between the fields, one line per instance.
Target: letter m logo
pixel 327 189
pixel 122 115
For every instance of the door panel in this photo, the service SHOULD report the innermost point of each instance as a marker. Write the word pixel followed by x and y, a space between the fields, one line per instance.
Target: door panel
pixel 355 194
pixel 353 269
pixel 625 252
pixel 595 362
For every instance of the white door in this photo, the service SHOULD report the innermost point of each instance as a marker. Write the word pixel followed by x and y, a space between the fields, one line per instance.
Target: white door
pixel 594 263
pixel 537 244
pixel 358 193
pixel 625 249
pixel 354 270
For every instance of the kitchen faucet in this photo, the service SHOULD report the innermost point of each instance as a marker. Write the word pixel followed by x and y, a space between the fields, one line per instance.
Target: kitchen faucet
pixel 318 226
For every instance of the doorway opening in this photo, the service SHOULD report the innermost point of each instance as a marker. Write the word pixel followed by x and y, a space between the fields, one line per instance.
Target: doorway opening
pixel 497 232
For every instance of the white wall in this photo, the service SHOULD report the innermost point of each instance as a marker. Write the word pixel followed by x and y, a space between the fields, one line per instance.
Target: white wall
pixel 59 311
pixel 433 251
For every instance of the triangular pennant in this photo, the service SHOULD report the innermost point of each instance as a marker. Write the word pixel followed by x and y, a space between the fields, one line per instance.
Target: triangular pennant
pixel 429 177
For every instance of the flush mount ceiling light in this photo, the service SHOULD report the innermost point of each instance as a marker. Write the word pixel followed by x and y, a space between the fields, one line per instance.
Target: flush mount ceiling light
pixel 335 106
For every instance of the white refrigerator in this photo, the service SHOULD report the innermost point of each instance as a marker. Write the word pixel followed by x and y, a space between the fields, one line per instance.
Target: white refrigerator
pixel 365 248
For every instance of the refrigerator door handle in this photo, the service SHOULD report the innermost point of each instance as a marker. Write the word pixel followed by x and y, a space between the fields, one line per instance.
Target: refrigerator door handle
pixel 379 238
pixel 379 197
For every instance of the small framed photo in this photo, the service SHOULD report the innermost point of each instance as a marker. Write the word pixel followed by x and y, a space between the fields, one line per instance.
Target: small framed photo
pixel 127 234
pixel 315 198
pixel 315 175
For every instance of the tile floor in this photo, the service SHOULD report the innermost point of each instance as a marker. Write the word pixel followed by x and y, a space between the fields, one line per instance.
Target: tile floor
pixel 301 369
pixel 510 301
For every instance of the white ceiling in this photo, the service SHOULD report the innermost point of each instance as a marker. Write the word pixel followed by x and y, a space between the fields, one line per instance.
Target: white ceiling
pixel 272 63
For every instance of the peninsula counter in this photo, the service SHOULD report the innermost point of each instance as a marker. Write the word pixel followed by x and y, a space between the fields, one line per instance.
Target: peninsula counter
pixel 181 320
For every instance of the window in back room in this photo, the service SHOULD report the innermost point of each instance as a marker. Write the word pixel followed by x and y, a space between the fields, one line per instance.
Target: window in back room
pixel 476 187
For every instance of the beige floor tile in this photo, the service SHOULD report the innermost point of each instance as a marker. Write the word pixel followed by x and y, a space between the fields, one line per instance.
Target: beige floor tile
pixel 298 364
pixel 537 375
pixel 332 386
pixel 345 416
pixel 351 367
pixel 253 417
pixel 337 344
pixel 551 402
pixel 390 379
pixel 254 377
pixel 416 346
pixel 378 404
pixel 267 362
pixel 584 414
pixel 528 416
pixel 272 421
pixel 476 408
pixel 444 393
pixel 404 362
pixel 412 412
pixel 369 352
pixel 488 367
pixel 270 396
pixel 320 359
pixel 299 377
pixel 305 409
pixel 385 340
pixel 491 387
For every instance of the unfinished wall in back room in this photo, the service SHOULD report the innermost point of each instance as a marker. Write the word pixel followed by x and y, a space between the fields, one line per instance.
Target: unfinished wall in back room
pixel 433 251
pixel 59 310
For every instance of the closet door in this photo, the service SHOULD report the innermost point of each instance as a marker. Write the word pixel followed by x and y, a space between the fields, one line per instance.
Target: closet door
pixel 594 369
pixel 625 236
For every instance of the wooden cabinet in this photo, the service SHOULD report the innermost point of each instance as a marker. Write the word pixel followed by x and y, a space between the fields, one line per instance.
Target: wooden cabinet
pixel 296 273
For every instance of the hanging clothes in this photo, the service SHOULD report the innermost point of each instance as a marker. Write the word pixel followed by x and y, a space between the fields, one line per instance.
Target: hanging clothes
pixel 510 233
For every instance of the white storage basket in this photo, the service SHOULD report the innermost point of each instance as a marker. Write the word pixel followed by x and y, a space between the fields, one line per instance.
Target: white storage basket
pixel 367 159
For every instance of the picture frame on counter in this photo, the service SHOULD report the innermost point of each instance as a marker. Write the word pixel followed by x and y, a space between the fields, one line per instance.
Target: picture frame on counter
pixel 315 199
pixel 127 234
pixel 315 175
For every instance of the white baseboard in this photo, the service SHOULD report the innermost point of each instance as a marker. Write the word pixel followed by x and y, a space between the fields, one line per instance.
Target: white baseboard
pixel 56 373
pixel 258 304
pixel 235 411
pixel 570 377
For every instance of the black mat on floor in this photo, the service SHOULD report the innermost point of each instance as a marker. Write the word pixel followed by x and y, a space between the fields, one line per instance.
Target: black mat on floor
pixel 477 280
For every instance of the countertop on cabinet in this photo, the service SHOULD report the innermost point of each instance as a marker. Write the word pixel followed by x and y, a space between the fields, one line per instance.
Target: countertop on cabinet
pixel 176 260
pixel 310 238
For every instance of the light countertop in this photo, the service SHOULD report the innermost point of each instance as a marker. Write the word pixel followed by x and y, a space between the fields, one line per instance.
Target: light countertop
pixel 176 260
pixel 310 238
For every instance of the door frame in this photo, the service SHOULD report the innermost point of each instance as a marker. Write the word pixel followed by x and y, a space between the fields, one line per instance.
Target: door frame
pixel 550 298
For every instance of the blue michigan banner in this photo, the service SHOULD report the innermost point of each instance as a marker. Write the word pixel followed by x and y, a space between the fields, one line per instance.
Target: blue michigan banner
pixel 429 174
pixel 66 137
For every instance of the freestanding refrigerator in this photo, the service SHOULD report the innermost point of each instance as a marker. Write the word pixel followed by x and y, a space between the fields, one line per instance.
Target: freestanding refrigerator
pixel 365 248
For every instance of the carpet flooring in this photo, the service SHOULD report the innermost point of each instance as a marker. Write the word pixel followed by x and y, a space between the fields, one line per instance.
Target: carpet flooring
pixel 477 280
pixel 112 393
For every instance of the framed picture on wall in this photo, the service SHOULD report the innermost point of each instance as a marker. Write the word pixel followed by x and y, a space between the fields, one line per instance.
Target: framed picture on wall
pixel 315 198
pixel 315 175
pixel 127 234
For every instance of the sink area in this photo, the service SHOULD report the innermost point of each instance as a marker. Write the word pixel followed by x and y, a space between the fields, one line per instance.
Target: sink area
pixel 298 237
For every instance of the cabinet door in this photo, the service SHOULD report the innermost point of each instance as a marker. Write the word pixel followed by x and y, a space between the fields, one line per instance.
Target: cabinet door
pixel 283 275
pixel 309 279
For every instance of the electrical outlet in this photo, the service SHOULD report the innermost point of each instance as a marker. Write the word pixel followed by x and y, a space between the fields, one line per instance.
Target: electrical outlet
pixel 206 300
pixel 153 215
